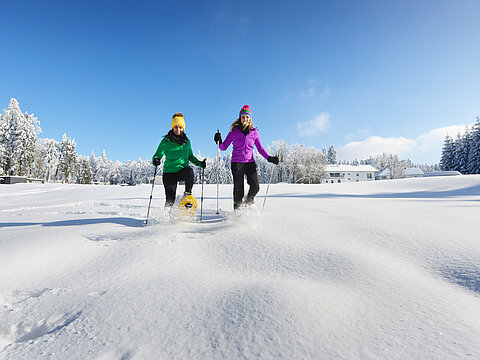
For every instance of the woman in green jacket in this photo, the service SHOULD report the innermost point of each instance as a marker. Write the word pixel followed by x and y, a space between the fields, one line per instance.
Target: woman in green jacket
pixel 178 153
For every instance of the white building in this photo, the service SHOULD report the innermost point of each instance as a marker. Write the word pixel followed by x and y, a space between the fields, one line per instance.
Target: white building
pixel 348 173
pixel 407 173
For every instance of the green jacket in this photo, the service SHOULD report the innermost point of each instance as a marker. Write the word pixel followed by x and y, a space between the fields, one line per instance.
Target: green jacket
pixel 177 156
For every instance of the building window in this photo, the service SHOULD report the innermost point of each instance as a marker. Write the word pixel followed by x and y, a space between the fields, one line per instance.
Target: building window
pixel 339 181
pixel 369 176
pixel 358 174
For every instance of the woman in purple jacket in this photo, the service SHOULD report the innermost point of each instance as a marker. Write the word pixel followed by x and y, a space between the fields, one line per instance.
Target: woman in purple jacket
pixel 244 136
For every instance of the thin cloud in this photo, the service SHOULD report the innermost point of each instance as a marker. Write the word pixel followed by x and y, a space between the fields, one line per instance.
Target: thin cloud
pixel 358 135
pixel 319 123
pixel 311 91
pixel 436 137
pixel 425 148
pixel 375 145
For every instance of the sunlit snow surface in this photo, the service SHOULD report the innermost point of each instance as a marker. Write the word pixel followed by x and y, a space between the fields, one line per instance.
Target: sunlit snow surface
pixel 378 270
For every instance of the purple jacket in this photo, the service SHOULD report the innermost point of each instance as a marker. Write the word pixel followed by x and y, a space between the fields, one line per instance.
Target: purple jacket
pixel 243 145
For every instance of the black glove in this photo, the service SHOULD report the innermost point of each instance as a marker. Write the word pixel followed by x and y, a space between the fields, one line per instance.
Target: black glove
pixel 156 161
pixel 273 159
pixel 203 163
pixel 217 138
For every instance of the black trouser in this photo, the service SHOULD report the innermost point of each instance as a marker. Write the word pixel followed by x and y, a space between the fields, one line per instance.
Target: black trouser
pixel 239 170
pixel 170 183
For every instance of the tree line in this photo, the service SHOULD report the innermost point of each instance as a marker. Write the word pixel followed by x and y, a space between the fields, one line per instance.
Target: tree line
pixel 24 153
pixel 462 153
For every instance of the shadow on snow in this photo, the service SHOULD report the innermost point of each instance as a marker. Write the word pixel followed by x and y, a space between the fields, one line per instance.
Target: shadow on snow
pixel 111 220
pixel 470 191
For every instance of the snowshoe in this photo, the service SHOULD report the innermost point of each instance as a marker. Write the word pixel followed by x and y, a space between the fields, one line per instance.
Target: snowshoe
pixel 187 206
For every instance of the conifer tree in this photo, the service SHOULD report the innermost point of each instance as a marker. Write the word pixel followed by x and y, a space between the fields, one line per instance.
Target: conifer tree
pixel 84 171
pixel 50 158
pixel 446 161
pixel 3 158
pixel 457 153
pixel 68 158
pixel 332 155
pixel 473 166
pixel 18 135
pixel 464 151
pixel 102 167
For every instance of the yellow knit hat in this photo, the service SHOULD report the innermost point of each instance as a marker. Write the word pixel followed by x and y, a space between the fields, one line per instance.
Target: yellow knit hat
pixel 178 120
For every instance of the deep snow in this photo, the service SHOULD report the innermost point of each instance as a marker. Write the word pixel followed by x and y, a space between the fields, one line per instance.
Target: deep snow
pixel 378 270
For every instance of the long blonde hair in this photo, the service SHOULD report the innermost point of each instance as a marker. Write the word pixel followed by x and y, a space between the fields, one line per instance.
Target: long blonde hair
pixel 247 125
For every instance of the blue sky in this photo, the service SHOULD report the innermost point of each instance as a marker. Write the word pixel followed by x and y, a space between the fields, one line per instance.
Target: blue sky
pixel 364 76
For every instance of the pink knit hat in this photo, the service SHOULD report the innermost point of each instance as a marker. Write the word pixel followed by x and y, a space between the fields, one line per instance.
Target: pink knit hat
pixel 245 111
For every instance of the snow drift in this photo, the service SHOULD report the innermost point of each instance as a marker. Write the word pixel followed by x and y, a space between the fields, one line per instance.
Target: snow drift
pixel 377 270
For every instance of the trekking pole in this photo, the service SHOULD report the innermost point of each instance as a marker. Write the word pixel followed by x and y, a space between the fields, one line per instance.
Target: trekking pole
pixel 151 194
pixel 201 199
pixel 268 186
pixel 218 167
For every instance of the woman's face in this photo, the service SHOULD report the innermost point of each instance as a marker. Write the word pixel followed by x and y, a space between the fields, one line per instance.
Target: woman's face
pixel 177 129
pixel 245 119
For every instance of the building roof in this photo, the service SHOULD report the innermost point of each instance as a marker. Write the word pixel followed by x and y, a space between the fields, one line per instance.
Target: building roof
pixel 384 172
pixel 350 168
pixel 406 172
pixel 412 171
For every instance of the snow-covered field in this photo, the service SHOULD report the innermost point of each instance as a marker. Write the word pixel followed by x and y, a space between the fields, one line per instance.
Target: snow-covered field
pixel 378 270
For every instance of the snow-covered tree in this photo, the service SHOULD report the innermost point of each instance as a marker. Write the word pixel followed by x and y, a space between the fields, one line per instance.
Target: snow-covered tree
pixel 473 160
pixel 3 159
pixel 50 157
pixel 102 168
pixel 113 174
pixel 332 155
pixel 143 171
pixel 280 148
pixel 93 165
pixel 84 175
pixel 462 151
pixel 126 172
pixel 395 167
pixel 447 159
pixel 314 165
pixel 219 170
pixel 325 152
pixel 293 162
pixel 266 172
pixel 46 159
pixel 68 158
pixel 18 136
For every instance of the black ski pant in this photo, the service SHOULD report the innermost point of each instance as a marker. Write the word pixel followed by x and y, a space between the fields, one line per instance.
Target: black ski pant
pixel 239 170
pixel 170 181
